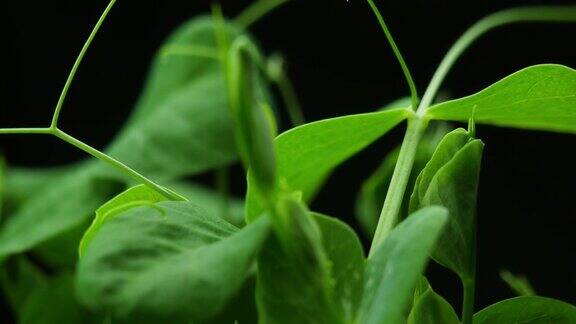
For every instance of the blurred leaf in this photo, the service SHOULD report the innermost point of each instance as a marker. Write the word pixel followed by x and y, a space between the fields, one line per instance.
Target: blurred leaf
pixel 393 270
pixel 53 211
pixel 286 284
pixel 519 284
pixel 55 303
pixel 539 97
pixel 19 278
pixel 431 308
pixel 450 179
pixel 307 154
pixel 527 310
pixel 167 261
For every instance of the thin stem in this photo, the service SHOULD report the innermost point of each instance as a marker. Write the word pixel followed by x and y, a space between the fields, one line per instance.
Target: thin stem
pixel 189 50
pixel 256 11
pixel 405 70
pixel 290 100
pixel 392 204
pixel 79 59
pixel 33 130
pixel 557 14
pixel 115 163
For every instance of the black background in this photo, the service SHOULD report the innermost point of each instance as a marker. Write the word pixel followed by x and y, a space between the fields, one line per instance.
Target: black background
pixel 340 64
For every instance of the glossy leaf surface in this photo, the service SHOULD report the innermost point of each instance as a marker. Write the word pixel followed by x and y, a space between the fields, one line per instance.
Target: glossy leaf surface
pixel 540 97
pixel 306 155
pixel 528 310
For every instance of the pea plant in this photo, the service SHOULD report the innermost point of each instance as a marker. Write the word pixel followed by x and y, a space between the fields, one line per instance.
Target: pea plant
pixel 137 243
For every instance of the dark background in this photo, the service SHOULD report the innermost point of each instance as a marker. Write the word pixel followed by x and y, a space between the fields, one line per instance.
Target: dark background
pixel 340 64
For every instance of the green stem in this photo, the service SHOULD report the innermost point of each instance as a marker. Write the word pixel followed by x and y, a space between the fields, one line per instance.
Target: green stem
pixel 468 304
pixel 33 130
pixel 256 11
pixel 290 100
pixel 115 163
pixel 558 14
pixel 400 177
pixel 79 59
pixel 405 70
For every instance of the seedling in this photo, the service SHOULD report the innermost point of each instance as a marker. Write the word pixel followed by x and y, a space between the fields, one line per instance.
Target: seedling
pixel 164 250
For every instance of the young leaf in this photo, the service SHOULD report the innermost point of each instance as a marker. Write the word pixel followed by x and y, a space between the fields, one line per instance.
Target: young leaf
pixel 168 261
pixel 394 269
pixel 306 155
pixel 373 191
pixel 133 197
pixel 539 97
pixel 53 211
pixel 528 310
pixel 55 303
pixel 286 284
pixel 450 179
pixel 431 308
pixel 254 130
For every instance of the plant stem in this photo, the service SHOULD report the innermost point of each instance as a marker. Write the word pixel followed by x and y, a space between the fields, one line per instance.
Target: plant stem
pixel 256 11
pixel 115 163
pixel 392 204
pixel 468 304
pixel 32 130
pixel 405 70
pixel 79 59
pixel 559 14
pixel 290 100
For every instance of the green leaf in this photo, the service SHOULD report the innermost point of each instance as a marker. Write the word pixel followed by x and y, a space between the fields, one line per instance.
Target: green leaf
pixel 133 197
pixel 431 308
pixel 53 211
pixel 55 303
pixel 373 191
pixel 527 310
pixel 450 179
pixel 306 155
pixel 254 131
pixel 286 284
pixel 182 124
pixel 394 269
pixel 539 97
pixel 167 261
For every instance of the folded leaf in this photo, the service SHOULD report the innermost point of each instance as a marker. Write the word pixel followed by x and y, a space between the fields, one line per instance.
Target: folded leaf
pixel 306 155
pixel 131 198
pixel 397 263
pixel 170 261
pixel 527 310
pixel 541 97
pixel 431 308
pixel 450 179
pixel 286 284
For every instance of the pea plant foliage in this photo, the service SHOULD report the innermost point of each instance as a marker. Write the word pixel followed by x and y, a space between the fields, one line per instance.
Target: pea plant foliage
pixel 124 238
